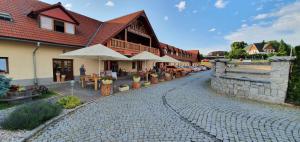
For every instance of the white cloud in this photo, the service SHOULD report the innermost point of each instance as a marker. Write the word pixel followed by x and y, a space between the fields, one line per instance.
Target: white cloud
pixel 110 3
pixel 284 26
pixel 261 16
pixel 221 4
pixel 259 7
pixel 244 26
pixel 166 18
pixel 181 6
pixel 68 6
pixel 212 29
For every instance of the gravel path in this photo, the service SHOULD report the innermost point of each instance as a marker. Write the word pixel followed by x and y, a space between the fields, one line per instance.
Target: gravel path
pixel 180 110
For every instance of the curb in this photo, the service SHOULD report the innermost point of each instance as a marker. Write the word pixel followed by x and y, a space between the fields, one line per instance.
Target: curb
pixel 33 132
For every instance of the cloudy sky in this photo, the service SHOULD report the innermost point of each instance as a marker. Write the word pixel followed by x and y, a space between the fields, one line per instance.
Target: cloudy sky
pixel 207 25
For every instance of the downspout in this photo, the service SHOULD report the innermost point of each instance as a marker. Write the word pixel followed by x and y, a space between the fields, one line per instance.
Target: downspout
pixel 34 63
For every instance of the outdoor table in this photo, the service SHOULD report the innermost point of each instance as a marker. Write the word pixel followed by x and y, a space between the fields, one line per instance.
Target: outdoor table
pixel 94 79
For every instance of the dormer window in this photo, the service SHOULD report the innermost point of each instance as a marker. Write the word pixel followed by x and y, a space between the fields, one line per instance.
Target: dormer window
pixel 5 16
pixel 56 25
pixel 59 26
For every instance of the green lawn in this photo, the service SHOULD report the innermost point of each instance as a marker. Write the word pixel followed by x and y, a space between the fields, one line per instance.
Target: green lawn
pixel 5 105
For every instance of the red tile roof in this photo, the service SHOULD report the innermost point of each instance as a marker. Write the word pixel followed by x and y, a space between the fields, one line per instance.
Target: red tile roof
pixel 193 51
pixel 24 27
pixel 112 27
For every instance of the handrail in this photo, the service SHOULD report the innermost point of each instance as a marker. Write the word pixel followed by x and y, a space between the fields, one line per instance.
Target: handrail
pixel 116 43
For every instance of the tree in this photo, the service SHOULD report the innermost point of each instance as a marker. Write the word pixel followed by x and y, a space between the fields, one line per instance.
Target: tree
pixel 284 49
pixel 4 85
pixel 275 44
pixel 294 82
pixel 237 50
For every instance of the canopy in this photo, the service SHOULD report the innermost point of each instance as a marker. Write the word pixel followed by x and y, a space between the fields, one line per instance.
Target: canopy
pixel 97 51
pixel 169 59
pixel 147 56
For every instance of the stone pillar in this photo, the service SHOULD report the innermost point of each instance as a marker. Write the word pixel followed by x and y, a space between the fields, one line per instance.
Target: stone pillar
pixel 280 77
pixel 220 67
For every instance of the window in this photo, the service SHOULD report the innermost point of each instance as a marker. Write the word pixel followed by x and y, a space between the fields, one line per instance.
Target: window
pixel 59 26
pixel 133 65
pixel 3 65
pixel 5 16
pixel 70 29
pixel 46 23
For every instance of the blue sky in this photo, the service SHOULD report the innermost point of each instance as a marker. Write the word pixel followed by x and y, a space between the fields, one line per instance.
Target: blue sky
pixel 207 25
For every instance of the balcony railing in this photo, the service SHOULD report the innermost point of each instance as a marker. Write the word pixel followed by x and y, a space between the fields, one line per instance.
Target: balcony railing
pixel 121 44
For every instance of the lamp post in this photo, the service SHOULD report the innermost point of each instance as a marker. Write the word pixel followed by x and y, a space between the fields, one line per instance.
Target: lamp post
pixel 72 82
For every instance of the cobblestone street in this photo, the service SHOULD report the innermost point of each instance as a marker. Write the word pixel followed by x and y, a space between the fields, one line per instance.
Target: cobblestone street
pixel 184 109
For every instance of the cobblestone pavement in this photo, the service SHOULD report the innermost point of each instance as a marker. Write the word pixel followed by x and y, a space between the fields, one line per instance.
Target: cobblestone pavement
pixel 180 110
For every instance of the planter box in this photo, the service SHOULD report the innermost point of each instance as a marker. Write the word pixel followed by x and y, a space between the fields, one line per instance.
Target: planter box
pixel 146 84
pixel 122 89
pixel 154 80
pixel 105 89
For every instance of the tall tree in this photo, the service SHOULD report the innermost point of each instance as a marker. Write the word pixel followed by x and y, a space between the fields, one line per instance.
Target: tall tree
pixel 237 50
pixel 284 49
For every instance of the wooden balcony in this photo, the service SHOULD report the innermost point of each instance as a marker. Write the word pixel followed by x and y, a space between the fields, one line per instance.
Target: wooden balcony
pixel 122 45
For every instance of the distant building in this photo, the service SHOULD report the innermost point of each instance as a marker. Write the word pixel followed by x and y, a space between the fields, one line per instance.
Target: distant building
pixel 260 48
pixel 216 54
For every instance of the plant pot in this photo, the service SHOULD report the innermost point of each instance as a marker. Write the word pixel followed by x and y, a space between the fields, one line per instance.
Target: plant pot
pixel 57 77
pixel 154 80
pixel 105 89
pixel 63 77
pixel 168 77
pixel 136 79
pixel 124 88
pixel 178 74
pixel 161 80
pixel 136 85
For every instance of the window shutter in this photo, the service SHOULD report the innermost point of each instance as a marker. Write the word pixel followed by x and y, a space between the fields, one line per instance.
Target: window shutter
pixel 46 23
pixel 70 28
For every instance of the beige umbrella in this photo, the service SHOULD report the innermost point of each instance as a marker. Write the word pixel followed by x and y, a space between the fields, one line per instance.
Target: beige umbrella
pixel 146 56
pixel 169 59
pixel 97 51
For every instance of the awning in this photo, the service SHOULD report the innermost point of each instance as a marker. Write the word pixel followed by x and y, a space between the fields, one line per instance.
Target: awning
pixel 146 56
pixel 169 59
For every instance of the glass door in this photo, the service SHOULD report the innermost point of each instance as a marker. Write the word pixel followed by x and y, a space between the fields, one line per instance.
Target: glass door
pixel 63 67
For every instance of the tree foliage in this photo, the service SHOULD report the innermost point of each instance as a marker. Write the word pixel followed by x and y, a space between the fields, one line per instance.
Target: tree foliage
pixel 284 49
pixel 237 50
pixel 294 82
pixel 4 85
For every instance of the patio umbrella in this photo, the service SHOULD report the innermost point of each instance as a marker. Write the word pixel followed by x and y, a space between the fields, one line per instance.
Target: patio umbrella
pixel 146 56
pixel 169 59
pixel 97 51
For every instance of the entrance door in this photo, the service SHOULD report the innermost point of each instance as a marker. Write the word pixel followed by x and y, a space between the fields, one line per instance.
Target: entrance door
pixel 64 67
pixel 111 65
pixel 139 65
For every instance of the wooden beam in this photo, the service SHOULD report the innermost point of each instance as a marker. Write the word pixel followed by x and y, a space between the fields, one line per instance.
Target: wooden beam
pixel 150 42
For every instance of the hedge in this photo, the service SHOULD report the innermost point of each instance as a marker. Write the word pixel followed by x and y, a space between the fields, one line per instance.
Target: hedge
pixel 29 116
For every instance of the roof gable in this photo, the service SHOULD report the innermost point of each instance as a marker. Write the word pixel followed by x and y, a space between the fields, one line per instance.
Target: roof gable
pixel 54 11
pixel 112 27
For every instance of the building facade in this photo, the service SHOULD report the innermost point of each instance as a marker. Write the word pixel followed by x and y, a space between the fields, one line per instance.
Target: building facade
pixel 260 48
pixel 34 34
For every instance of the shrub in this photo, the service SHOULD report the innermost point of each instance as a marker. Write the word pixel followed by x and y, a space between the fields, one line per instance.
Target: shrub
pixel 31 115
pixel 69 102
pixel 294 82
pixel 4 85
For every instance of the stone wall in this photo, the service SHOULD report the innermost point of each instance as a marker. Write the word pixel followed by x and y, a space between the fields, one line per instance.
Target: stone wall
pixel 268 86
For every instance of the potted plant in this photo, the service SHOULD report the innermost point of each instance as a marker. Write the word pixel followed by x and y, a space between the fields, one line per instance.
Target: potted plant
pixel 154 78
pixel 123 87
pixel 136 81
pixel 106 86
